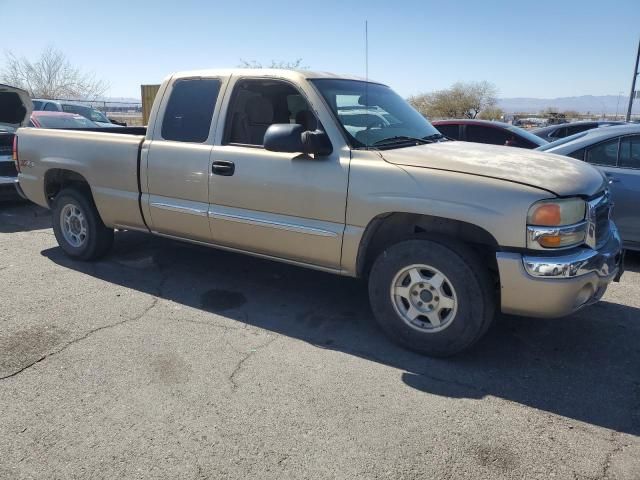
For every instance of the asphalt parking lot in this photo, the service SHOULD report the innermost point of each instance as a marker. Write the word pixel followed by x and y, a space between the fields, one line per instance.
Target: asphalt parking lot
pixel 167 360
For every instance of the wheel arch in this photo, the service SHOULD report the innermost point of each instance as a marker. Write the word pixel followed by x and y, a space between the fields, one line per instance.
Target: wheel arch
pixel 389 228
pixel 57 179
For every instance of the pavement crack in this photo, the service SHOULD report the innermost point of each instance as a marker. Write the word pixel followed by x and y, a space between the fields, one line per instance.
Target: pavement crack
pixel 238 368
pixel 83 337
pixel 606 463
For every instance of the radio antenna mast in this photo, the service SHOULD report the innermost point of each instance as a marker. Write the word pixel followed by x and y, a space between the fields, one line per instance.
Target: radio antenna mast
pixel 366 74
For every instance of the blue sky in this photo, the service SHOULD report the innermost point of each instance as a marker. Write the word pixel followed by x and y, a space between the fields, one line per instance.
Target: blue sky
pixel 535 48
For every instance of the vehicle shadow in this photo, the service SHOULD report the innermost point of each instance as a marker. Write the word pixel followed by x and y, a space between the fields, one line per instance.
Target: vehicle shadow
pixel 632 261
pixel 585 367
pixel 22 216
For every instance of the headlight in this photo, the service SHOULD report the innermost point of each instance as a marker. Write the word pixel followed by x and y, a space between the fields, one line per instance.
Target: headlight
pixel 556 223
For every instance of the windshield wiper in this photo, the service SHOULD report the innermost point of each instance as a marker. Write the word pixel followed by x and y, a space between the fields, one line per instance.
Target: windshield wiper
pixel 401 139
pixel 436 136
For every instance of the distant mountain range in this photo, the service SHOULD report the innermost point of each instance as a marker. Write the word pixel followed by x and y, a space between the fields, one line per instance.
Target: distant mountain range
pixel 608 104
pixel 583 104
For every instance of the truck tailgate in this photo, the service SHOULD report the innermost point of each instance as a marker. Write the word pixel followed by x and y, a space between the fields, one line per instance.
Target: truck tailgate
pixel 109 162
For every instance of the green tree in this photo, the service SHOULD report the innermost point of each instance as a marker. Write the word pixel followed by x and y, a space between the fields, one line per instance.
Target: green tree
pixel 491 113
pixel 461 100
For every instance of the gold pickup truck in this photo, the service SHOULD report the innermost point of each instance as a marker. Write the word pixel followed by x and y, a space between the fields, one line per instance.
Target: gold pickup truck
pixel 341 175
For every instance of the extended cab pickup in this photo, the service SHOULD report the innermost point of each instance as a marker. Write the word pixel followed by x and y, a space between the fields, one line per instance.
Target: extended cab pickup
pixel 340 175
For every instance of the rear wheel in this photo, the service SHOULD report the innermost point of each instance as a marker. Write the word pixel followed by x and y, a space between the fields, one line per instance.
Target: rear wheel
pixel 78 227
pixel 432 297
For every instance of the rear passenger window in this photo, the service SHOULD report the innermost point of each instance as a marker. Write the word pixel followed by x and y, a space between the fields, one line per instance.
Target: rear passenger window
pixel 559 133
pixel 189 111
pixel 493 136
pixel 450 131
pixel 605 153
pixel 630 152
pixel 571 130
pixel 578 154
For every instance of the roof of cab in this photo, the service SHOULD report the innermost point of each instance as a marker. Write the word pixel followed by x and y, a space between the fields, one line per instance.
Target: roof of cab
pixel 286 74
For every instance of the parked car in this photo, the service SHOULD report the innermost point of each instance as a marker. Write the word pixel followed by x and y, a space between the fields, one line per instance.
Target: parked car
pixel 445 232
pixel 616 151
pixel 60 120
pixel 99 118
pixel 15 108
pixel 484 131
pixel 555 132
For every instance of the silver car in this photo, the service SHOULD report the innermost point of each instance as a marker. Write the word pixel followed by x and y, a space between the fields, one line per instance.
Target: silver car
pixel 616 151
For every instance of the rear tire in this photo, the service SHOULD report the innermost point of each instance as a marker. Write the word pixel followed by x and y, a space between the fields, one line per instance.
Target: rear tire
pixel 434 297
pixel 78 227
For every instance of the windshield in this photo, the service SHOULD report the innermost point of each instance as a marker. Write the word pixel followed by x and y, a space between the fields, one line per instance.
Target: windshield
pixel 370 113
pixel 98 116
pixel 536 140
pixel 562 141
pixel 64 121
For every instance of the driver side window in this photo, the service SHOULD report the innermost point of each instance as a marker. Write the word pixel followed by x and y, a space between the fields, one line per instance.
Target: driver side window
pixel 258 104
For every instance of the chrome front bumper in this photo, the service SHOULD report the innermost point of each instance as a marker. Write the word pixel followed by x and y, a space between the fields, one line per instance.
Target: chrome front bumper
pixel 8 180
pixel 586 260
pixel 555 286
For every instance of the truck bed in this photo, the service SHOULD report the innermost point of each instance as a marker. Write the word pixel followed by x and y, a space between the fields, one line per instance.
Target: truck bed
pixel 107 158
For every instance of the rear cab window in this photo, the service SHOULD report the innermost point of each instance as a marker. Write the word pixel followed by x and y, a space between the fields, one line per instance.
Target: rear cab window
pixel 189 111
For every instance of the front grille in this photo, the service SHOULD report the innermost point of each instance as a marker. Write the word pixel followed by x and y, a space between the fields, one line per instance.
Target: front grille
pixel 8 169
pixel 599 216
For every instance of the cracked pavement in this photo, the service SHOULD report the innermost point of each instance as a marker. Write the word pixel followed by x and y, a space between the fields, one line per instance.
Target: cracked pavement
pixel 167 360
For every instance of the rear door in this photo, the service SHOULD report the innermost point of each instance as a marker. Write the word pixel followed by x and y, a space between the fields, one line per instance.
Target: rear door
pixel 178 158
pixel 619 159
pixel 625 184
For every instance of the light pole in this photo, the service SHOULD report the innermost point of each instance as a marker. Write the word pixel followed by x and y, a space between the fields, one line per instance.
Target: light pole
pixel 633 84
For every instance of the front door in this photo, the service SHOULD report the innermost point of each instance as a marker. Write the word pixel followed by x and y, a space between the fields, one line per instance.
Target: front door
pixel 178 159
pixel 286 205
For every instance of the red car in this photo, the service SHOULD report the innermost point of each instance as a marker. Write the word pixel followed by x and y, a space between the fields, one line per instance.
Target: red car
pixel 484 131
pixel 41 119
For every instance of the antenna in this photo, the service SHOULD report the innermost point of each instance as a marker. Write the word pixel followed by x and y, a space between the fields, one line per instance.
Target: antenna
pixel 366 74
pixel 366 50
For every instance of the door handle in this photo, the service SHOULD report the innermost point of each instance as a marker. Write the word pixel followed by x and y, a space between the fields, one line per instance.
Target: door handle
pixel 224 168
pixel 611 179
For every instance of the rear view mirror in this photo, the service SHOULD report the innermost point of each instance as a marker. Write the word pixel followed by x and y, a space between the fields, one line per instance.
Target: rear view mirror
pixel 291 138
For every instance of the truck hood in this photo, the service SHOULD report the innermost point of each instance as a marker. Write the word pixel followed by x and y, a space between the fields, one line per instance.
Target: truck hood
pixel 15 107
pixel 562 176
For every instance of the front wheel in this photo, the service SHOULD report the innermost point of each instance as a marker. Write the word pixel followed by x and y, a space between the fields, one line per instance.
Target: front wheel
pixel 78 227
pixel 432 297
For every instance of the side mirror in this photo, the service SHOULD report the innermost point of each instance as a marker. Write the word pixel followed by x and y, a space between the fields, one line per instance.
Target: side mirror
pixel 291 138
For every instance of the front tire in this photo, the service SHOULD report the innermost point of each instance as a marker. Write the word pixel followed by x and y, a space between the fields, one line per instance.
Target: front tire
pixel 431 297
pixel 78 227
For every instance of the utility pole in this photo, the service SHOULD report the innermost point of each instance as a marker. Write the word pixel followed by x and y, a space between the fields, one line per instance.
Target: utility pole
pixel 633 84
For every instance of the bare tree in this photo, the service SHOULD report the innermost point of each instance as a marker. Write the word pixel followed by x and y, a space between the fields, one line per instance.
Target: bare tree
pixel 461 100
pixel 50 76
pixel 293 65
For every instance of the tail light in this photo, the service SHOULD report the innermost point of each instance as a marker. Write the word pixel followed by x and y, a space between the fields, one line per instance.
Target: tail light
pixel 15 152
